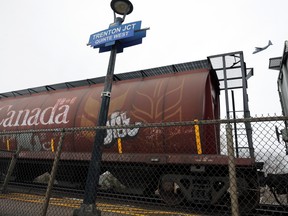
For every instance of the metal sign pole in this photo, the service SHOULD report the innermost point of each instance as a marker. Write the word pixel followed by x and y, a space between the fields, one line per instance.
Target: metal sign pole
pixel 116 38
pixel 89 207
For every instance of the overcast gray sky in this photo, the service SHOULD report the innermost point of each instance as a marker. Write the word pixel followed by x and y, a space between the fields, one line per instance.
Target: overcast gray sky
pixel 44 42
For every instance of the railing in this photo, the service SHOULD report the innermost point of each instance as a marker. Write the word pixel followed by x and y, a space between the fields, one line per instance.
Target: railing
pixel 178 168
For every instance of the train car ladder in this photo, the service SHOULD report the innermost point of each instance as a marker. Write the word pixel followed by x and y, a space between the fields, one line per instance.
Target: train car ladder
pixel 233 74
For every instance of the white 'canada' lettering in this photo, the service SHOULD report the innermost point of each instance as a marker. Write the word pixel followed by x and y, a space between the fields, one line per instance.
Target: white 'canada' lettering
pixel 56 114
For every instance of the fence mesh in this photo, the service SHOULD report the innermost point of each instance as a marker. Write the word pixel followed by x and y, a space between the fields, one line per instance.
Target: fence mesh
pixel 174 168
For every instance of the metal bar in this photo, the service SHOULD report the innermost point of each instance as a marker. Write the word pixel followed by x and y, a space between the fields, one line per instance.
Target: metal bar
pixel 166 124
pixel 232 172
pixel 233 67
pixel 225 86
pixel 53 174
pixel 197 137
pixel 91 188
pixel 246 107
pixel 52 145
pixel 8 145
pixel 227 54
pixel 69 84
pixel 49 87
pixel 119 142
pixel 231 88
pixel 4 150
pixel 235 125
pixel 144 29
pixel 232 78
pixel 10 170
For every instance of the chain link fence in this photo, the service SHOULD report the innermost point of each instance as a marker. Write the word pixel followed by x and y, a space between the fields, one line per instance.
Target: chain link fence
pixel 179 168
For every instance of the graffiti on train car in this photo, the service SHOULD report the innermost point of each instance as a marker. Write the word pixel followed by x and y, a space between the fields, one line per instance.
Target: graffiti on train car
pixel 26 141
pixel 118 119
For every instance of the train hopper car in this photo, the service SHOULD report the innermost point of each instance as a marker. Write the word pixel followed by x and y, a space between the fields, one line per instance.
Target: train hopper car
pixel 164 155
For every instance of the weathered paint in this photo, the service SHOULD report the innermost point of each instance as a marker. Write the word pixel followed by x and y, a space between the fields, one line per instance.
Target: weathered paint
pixel 175 97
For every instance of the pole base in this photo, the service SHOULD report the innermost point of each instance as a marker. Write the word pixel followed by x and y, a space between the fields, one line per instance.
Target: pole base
pixel 87 210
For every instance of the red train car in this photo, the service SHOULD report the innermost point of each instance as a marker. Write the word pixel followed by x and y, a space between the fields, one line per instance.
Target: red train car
pixel 163 155
pixel 170 97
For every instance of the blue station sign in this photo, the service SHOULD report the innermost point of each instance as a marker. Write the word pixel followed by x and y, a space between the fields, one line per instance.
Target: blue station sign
pixel 113 33
pixel 127 35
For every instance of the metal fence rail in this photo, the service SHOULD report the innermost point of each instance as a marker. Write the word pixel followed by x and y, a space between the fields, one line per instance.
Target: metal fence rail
pixel 176 168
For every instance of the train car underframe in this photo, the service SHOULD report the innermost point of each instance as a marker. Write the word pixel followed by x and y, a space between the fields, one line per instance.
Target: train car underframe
pixel 183 183
pixel 193 183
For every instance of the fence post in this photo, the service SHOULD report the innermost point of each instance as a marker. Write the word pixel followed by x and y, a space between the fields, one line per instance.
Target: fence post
pixel 53 174
pixel 232 172
pixel 10 170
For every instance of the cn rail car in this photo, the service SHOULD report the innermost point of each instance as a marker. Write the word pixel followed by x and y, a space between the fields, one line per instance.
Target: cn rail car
pixel 283 80
pixel 281 64
pixel 164 156
pixel 282 84
pixel 280 181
